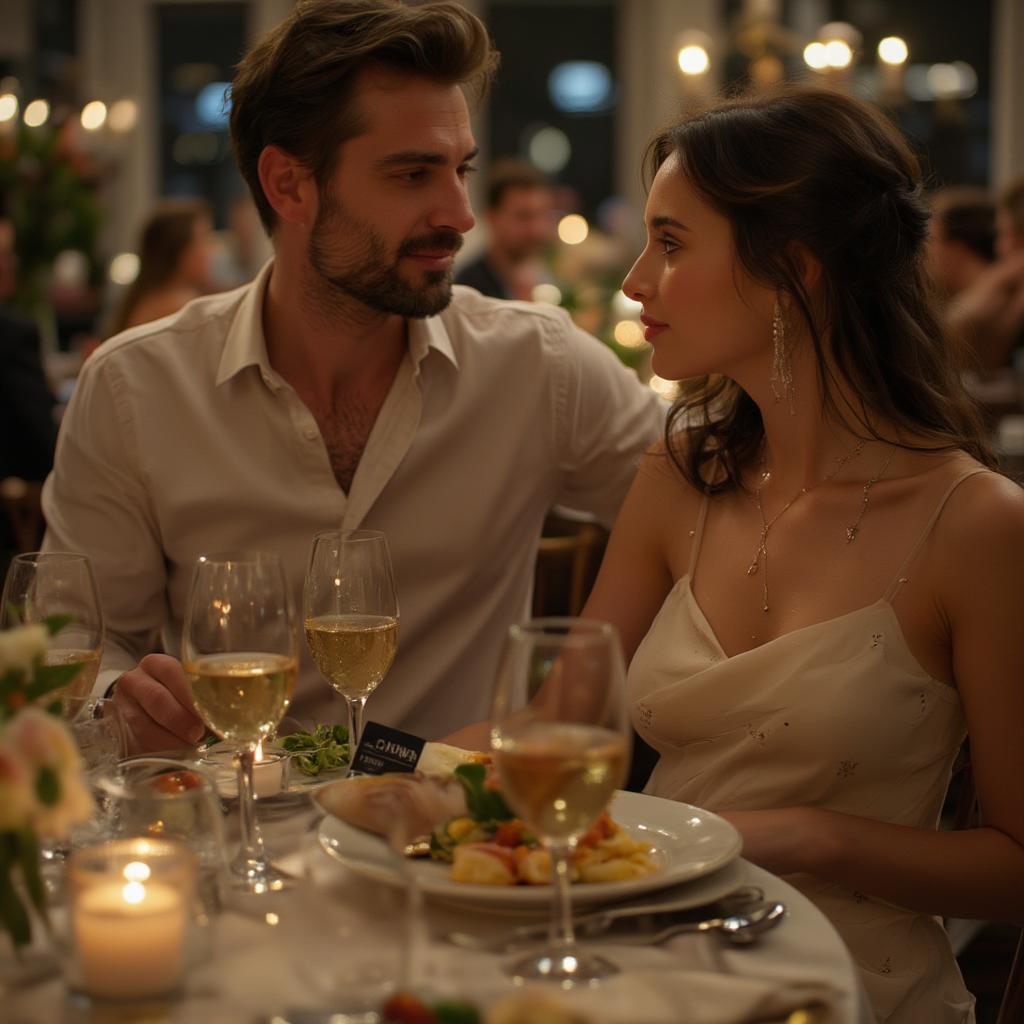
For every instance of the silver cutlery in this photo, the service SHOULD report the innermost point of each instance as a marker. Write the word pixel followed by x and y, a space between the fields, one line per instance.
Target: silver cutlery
pixel 741 929
pixel 601 921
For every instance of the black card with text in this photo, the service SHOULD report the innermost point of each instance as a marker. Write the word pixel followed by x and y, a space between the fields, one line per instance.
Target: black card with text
pixel 383 749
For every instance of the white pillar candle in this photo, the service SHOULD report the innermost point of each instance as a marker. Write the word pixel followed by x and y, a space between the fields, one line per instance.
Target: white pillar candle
pixel 130 939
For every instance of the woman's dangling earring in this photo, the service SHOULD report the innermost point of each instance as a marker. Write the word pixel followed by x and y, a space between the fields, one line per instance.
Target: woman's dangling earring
pixel 781 379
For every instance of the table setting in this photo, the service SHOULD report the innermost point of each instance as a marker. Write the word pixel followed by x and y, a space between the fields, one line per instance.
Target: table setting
pixel 291 880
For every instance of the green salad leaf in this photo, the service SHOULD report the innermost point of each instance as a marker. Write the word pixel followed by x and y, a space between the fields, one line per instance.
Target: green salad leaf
pixel 483 804
pixel 323 749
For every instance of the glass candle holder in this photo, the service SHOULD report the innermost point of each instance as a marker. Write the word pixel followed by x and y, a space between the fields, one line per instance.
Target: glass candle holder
pixel 269 770
pixel 131 904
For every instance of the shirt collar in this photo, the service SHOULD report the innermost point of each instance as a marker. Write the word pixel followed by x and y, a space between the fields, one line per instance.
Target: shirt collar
pixel 246 345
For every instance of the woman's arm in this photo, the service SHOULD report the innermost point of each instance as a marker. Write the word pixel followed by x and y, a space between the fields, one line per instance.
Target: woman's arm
pixel 979 873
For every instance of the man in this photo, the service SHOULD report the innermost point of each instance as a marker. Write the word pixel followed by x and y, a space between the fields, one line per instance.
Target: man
pixel 987 316
pixel 346 385
pixel 520 226
pixel 961 240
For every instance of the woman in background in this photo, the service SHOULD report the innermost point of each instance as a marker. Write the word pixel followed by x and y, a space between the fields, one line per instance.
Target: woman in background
pixel 174 263
pixel 818 578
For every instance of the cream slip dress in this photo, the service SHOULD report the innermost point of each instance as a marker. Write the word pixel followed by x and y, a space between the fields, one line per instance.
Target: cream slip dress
pixel 838 715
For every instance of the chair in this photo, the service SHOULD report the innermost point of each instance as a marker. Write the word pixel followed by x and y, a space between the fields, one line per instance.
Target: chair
pixel 967 815
pixel 567 561
pixel 21 501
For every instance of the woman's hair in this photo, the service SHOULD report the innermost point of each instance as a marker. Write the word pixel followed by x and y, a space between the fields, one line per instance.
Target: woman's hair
pixel 167 233
pixel 294 89
pixel 815 168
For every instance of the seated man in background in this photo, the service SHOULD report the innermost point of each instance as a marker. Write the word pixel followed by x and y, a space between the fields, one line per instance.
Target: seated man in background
pixel 988 315
pixel 520 225
pixel 348 385
pixel 961 237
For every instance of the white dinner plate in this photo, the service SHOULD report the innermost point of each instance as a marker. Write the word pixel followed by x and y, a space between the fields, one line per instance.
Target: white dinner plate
pixel 688 843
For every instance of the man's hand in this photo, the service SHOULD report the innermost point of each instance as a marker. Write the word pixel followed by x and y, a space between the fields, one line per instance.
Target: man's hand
pixel 155 702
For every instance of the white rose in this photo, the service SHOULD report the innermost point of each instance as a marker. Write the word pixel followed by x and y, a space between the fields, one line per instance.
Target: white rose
pixel 20 646
pixel 16 796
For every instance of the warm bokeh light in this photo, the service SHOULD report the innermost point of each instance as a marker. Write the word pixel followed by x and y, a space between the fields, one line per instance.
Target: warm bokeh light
pixel 629 333
pixel 693 60
pixel 666 388
pixel 815 57
pixel 37 113
pixel 624 307
pixel 838 53
pixel 123 115
pixel 8 106
pixel 136 871
pixel 573 229
pixel 124 268
pixel 94 115
pixel 893 50
pixel 546 292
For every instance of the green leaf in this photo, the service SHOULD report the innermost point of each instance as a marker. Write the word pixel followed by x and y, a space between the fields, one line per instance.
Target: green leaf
pixel 13 915
pixel 55 623
pixel 51 677
pixel 47 786
pixel 451 1012
pixel 28 859
pixel 483 804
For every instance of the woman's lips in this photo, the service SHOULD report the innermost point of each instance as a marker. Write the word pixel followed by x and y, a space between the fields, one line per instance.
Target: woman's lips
pixel 652 327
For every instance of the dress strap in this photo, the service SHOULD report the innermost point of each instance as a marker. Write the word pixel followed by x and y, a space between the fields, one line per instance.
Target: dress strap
pixel 698 534
pixel 900 578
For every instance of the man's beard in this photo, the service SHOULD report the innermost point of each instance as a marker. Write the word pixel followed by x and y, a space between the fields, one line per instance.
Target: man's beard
pixel 375 279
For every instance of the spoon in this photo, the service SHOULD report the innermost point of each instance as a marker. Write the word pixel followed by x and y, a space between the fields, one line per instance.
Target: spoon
pixel 741 929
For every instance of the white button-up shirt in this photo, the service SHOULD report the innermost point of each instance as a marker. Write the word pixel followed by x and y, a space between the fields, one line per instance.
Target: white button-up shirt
pixel 182 439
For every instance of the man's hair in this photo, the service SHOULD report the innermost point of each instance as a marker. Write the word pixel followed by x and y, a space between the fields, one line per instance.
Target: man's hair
pixel 967 215
pixel 509 173
pixel 1012 200
pixel 294 89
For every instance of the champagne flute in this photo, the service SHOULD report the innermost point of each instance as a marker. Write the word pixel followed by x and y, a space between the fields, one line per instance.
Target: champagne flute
pixel 240 652
pixel 561 744
pixel 40 584
pixel 351 616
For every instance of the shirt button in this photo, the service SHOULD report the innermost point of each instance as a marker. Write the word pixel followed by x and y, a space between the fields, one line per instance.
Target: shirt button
pixel 310 433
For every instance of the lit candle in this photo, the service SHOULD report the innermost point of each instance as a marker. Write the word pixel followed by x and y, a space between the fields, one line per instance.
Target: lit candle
pixel 130 904
pixel 130 939
pixel 267 772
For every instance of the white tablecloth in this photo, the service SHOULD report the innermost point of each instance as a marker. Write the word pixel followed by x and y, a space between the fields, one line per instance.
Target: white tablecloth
pixel 335 939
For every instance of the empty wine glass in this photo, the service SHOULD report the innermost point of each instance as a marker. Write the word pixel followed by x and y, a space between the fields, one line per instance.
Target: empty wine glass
pixel 43 584
pixel 350 613
pixel 240 652
pixel 561 748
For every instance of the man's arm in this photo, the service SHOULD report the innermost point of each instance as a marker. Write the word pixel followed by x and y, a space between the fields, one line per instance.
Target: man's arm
pixel 605 419
pixel 95 501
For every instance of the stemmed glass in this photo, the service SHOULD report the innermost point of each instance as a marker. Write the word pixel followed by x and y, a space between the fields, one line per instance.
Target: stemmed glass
pixel 240 651
pixel 350 612
pixel 561 746
pixel 41 584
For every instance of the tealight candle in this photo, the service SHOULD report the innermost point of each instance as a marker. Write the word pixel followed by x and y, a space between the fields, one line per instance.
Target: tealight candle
pixel 131 902
pixel 267 772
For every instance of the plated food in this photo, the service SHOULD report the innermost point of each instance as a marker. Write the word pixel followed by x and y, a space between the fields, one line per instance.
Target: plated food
pixel 453 800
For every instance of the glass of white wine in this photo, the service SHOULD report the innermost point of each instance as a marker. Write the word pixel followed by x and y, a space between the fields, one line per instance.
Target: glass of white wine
pixel 240 651
pixel 42 584
pixel 350 615
pixel 561 744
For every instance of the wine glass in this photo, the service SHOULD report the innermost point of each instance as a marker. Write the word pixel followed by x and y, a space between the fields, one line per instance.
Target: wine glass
pixel 40 584
pixel 240 652
pixel 350 613
pixel 561 747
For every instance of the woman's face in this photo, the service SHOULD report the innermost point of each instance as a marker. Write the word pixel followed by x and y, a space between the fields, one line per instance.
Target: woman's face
pixel 702 312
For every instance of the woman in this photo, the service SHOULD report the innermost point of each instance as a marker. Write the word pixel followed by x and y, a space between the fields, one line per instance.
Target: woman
pixel 817 579
pixel 174 263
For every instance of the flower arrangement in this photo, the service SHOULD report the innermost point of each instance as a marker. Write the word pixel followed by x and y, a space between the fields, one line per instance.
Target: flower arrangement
pixel 42 789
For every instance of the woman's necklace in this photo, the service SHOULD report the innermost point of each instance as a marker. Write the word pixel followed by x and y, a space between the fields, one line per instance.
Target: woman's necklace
pixel 760 560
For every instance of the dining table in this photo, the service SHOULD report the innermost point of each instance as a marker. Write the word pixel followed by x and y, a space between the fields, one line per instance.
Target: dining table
pixel 333 943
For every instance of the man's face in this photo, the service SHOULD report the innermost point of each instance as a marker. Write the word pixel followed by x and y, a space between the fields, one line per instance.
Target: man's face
pixel 521 224
pixel 393 216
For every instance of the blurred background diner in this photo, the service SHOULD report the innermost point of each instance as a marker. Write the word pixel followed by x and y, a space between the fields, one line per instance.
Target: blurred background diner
pixel 120 200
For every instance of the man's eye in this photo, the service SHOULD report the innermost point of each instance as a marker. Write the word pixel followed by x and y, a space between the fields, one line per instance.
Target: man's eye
pixel 418 174
pixel 467 169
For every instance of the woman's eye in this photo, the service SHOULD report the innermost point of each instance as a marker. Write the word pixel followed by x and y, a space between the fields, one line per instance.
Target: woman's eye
pixel 667 246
